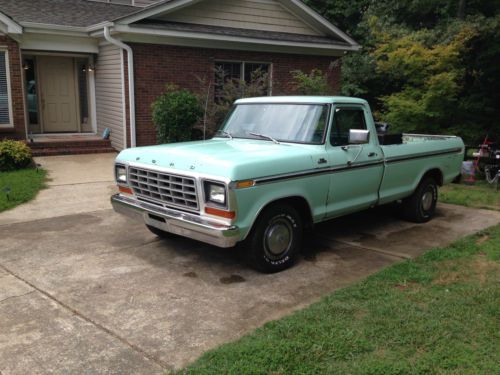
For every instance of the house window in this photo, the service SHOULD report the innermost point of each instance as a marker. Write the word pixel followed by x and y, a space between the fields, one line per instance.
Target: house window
pixel 5 99
pixel 236 72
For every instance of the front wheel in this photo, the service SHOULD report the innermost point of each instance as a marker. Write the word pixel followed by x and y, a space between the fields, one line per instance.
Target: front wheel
pixel 420 207
pixel 275 241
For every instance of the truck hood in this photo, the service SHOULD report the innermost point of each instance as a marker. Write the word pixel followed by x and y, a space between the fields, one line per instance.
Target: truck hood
pixel 236 159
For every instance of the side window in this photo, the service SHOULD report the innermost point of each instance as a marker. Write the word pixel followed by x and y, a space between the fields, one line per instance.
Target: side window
pixel 344 120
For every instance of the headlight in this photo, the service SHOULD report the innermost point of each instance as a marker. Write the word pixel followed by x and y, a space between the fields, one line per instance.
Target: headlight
pixel 215 193
pixel 121 174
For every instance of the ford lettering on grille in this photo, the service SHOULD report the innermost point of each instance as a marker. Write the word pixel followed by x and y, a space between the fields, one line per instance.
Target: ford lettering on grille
pixel 164 188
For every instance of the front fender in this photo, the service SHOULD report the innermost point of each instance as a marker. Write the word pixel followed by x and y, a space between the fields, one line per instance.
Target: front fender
pixel 252 201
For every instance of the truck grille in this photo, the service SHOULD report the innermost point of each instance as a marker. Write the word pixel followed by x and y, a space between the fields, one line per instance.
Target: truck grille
pixel 164 188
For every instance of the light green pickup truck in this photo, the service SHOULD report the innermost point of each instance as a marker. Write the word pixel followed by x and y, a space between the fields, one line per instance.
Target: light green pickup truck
pixel 278 166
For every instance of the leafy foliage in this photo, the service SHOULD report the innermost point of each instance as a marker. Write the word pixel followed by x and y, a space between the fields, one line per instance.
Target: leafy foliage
pixel 174 114
pixel 14 155
pixel 226 92
pixel 426 65
pixel 313 83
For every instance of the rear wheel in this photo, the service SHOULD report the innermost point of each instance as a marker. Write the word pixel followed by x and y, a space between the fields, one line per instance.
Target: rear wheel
pixel 275 241
pixel 160 233
pixel 420 207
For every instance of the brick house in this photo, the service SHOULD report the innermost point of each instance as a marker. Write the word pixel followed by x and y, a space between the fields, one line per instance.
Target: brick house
pixel 80 66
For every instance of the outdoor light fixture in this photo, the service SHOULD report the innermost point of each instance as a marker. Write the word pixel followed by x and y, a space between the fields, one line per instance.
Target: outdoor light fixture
pixel 88 68
pixel 26 66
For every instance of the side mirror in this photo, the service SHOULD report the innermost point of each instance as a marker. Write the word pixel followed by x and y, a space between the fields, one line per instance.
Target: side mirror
pixel 357 136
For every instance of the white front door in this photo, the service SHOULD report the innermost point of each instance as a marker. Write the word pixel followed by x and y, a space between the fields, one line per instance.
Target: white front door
pixel 59 98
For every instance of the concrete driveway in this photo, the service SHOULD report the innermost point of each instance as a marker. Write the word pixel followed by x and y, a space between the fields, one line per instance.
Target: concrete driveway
pixel 83 290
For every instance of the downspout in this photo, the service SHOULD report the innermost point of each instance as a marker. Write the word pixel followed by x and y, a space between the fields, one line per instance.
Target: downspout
pixel 131 81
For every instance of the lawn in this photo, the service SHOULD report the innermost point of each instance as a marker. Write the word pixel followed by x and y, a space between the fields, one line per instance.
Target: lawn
pixel 480 195
pixel 20 186
pixel 437 314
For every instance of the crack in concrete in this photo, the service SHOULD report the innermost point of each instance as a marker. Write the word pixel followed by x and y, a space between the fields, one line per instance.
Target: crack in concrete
pixel 373 249
pixel 111 182
pixel 146 355
pixel 21 295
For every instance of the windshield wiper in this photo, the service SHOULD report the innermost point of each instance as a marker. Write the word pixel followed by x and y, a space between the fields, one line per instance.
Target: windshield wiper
pixel 227 134
pixel 265 137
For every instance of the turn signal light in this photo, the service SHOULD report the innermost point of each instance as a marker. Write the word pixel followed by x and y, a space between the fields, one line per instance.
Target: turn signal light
pixel 245 184
pixel 221 213
pixel 125 190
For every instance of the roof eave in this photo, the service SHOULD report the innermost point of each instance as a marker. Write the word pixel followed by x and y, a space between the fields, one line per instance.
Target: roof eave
pixel 316 20
pixel 328 49
pixel 9 26
pixel 155 9
pixel 295 6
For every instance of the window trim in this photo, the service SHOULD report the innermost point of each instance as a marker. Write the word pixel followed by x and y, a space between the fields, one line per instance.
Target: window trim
pixel 9 88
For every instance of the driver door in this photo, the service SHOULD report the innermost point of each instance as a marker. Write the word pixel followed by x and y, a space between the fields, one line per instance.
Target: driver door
pixel 357 169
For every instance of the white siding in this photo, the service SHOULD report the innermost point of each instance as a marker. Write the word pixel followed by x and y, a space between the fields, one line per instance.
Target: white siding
pixel 268 15
pixel 143 3
pixel 109 93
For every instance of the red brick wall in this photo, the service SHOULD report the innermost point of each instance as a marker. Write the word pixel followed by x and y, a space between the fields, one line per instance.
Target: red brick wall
pixel 16 85
pixel 157 65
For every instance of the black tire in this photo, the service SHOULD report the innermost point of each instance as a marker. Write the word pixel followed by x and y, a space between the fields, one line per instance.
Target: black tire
pixel 275 240
pixel 160 233
pixel 420 207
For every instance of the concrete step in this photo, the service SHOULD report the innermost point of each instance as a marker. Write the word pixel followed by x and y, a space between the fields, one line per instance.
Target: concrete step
pixel 64 150
pixel 71 143
pixel 50 146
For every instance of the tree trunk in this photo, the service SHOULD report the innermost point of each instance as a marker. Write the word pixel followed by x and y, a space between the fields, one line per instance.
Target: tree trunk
pixel 461 9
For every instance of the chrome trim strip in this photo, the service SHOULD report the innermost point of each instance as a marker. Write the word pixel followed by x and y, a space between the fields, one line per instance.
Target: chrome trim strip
pixel 181 223
pixel 328 170
pixel 314 172
pixel 423 155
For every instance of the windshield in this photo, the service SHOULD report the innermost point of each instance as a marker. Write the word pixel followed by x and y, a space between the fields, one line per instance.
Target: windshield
pixel 297 123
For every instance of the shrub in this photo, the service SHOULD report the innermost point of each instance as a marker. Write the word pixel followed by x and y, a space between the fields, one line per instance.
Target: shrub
pixel 314 83
pixel 174 114
pixel 226 91
pixel 14 155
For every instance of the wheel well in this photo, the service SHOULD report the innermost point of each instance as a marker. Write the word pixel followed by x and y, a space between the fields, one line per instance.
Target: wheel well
pixel 300 204
pixel 436 174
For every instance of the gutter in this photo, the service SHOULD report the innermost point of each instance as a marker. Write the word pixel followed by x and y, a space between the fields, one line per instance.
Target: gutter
pixel 131 81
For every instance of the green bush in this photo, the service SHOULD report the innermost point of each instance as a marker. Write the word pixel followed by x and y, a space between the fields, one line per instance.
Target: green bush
pixel 14 155
pixel 313 83
pixel 174 114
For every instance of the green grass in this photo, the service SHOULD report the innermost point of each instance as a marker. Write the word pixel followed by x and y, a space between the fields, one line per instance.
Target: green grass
pixel 23 184
pixel 437 314
pixel 480 195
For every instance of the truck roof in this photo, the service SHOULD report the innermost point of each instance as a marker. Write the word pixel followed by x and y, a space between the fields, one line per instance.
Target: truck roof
pixel 301 100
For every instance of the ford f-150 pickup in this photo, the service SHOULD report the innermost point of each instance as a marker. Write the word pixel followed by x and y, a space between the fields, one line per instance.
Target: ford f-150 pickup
pixel 278 166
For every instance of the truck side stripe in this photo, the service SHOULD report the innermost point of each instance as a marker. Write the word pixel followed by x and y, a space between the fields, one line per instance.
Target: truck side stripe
pixel 331 170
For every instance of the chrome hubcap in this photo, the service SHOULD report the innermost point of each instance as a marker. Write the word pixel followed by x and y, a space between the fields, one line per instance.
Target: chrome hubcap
pixel 427 200
pixel 278 238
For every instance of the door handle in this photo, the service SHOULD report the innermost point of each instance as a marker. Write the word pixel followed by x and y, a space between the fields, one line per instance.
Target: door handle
pixel 372 154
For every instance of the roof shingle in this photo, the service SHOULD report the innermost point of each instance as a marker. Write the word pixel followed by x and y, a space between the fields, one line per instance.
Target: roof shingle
pixel 78 13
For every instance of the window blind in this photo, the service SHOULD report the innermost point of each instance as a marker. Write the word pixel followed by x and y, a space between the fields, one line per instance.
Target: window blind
pixel 4 91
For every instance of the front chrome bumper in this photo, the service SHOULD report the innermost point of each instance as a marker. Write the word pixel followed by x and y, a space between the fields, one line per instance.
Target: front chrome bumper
pixel 177 222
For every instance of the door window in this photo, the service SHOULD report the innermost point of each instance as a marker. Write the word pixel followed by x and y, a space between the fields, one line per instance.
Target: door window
pixel 344 120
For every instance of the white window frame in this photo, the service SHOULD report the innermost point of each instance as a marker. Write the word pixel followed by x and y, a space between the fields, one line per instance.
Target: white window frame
pixel 9 90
